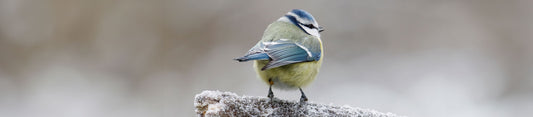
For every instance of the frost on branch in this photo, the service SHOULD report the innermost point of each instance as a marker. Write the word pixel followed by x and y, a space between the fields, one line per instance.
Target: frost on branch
pixel 216 103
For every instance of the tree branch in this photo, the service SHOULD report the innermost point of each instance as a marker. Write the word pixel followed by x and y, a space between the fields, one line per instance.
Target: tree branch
pixel 216 103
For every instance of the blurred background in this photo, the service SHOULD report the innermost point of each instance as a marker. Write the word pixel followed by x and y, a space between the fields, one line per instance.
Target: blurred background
pixel 139 58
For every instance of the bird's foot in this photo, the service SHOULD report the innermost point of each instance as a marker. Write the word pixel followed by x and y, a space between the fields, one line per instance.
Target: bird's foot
pixel 271 95
pixel 303 99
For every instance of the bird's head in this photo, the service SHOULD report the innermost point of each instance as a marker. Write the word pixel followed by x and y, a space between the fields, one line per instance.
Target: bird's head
pixel 304 21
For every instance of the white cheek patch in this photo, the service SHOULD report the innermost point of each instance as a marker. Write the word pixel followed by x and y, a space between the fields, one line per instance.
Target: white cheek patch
pixel 313 32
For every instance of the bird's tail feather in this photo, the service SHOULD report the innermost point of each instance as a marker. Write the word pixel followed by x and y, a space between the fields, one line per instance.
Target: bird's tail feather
pixel 255 56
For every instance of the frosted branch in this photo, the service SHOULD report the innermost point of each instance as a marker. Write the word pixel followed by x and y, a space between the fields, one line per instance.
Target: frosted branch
pixel 216 103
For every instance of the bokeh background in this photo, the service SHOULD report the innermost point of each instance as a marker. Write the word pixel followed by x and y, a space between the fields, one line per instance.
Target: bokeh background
pixel 140 58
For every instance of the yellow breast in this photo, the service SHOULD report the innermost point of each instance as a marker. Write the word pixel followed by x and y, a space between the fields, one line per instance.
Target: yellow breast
pixel 289 76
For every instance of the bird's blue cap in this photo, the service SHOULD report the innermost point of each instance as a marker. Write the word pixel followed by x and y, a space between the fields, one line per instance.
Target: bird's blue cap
pixel 303 14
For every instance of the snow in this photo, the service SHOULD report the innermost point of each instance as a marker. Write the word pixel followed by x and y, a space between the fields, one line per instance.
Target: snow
pixel 217 103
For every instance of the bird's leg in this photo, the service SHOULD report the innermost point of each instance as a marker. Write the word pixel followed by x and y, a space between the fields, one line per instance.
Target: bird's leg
pixel 270 93
pixel 303 98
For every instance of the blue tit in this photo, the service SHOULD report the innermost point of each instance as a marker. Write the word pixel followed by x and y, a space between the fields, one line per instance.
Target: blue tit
pixel 289 55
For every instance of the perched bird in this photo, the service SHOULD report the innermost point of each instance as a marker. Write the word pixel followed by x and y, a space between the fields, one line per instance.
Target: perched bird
pixel 289 54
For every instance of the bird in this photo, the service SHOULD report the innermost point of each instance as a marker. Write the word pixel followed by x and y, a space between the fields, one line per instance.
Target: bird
pixel 289 54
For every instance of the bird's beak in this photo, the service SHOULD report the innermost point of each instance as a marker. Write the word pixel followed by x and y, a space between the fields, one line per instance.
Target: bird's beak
pixel 320 28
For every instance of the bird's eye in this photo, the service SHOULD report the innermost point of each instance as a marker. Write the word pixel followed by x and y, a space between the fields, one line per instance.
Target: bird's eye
pixel 309 26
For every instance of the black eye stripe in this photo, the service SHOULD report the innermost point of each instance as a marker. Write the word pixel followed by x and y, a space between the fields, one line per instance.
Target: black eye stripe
pixel 308 25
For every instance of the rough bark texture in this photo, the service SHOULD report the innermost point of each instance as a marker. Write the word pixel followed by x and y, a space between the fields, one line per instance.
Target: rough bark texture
pixel 216 103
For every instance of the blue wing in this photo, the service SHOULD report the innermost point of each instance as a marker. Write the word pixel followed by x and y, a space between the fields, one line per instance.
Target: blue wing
pixel 281 52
